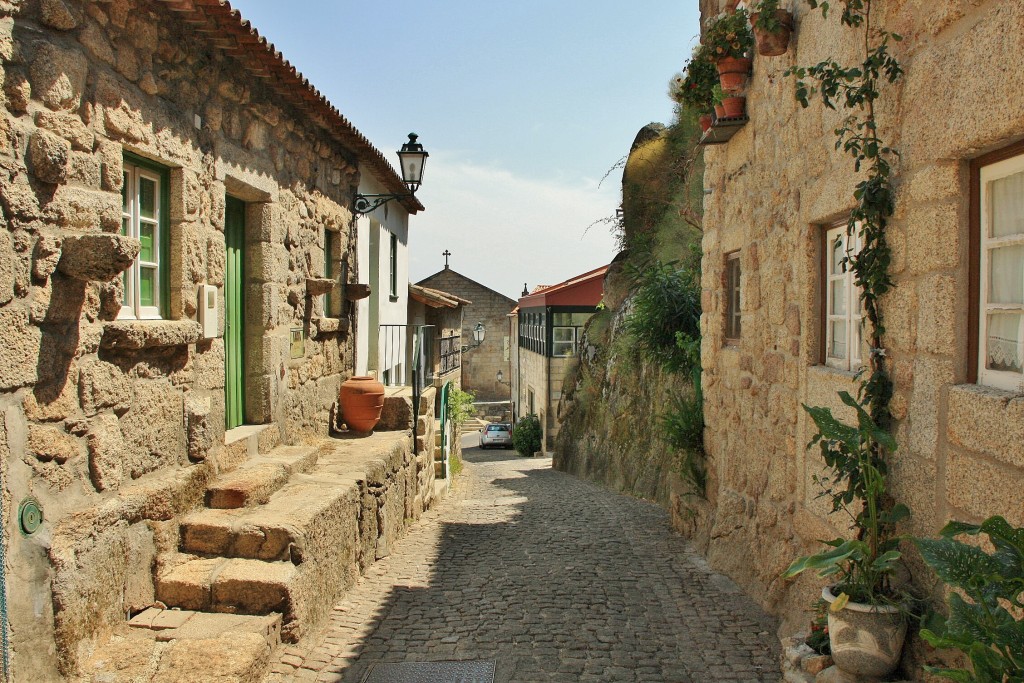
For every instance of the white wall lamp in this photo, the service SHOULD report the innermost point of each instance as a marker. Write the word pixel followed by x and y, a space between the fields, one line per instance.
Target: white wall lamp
pixel 479 332
pixel 411 159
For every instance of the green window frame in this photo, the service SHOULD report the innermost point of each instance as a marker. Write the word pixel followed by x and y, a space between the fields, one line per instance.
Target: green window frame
pixel 145 215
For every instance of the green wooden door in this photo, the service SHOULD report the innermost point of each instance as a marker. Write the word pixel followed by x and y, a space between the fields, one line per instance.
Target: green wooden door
pixel 234 307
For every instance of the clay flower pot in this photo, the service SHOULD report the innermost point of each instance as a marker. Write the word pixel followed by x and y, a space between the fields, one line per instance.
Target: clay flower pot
pixel 732 73
pixel 773 44
pixel 719 111
pixel 705 122
pixel 362 400
pixel 866 640
pixel 734 106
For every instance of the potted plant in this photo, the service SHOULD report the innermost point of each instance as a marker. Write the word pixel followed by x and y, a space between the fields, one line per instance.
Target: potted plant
pixel 734 105
pixel 694 87
pixel 729 41
pixel 772 28
pixel 717 99
pixel 866 622
pixel 983 626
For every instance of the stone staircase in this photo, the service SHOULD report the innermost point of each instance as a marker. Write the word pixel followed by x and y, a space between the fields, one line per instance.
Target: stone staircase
pixel 284 532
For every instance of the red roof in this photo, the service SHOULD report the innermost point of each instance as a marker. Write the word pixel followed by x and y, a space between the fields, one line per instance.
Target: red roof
pixel 229 32
pixel 582 290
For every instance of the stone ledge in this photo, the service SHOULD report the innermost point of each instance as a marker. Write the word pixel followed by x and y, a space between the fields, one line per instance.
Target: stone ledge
pixel 146 334
pixel 987 420
pixel 330 325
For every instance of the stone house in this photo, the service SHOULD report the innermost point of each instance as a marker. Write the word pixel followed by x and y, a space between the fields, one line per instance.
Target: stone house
pixel 480 364
pixel 780 320
pixel 546 329
pixel 175 207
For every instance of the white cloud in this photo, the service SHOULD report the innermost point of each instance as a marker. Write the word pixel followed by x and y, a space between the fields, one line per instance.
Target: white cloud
pixel 505 229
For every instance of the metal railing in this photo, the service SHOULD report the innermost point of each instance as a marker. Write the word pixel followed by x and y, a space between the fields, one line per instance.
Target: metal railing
pixel 394 342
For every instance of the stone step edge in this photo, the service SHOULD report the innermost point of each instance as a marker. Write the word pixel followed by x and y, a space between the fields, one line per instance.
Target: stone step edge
pixel 227 585
pixel 174 624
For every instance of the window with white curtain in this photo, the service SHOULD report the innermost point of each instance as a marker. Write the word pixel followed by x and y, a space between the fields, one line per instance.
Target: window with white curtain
pixel 845 344
pixel 1001 290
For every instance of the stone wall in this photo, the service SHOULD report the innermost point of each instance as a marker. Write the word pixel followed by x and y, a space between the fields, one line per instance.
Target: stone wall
pixel 115 426
pixel 480 365
pixel 772 189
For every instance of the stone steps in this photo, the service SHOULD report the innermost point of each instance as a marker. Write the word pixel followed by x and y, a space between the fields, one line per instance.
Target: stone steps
pixel 289 526
pixel 233 586
pixel 254 482
pixel 171 646
pixel 277 536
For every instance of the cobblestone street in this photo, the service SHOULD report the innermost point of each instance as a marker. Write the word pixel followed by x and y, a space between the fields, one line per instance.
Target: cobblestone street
pixel 552 578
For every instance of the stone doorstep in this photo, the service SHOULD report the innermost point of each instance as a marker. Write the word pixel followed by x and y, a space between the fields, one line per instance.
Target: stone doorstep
pixel 275 531
pixel 174 624
pixel 235 586
pixel 245 442
pixel 221 647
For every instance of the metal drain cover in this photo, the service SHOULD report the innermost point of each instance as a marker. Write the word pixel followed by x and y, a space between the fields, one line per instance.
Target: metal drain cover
pixel 481 671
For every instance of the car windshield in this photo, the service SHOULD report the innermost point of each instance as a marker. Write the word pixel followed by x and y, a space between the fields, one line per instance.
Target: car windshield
pixel 497 428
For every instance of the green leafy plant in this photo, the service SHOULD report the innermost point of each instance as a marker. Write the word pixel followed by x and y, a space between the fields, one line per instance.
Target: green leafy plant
pixel 695 87
pixel 460 407
pixel 682 426
pixel 981 626
pixel 860 567
pixel 818 640
pixel 856 455
pixel 666 304
pixel 729 35
pixel 526 437
pixel 767 20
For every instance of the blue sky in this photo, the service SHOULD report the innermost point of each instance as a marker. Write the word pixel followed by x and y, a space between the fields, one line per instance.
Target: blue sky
pixel 523 106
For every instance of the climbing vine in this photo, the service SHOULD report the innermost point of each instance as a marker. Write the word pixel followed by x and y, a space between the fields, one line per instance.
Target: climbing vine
pixel 856 456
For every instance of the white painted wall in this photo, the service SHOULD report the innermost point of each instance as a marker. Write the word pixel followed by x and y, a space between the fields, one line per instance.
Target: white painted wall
pixel 380 308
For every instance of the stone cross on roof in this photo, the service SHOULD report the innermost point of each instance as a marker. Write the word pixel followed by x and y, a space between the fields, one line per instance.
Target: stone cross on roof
pixel 446 254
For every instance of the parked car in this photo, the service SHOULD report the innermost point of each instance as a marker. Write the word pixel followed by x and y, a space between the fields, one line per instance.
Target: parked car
pixel 497 435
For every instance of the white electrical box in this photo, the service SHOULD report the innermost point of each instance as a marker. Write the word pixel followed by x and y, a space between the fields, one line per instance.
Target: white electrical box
pixel 209 311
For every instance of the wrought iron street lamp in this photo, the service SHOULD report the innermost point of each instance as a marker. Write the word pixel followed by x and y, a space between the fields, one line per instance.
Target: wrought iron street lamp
pixel 479 332
pixel 501 379
pixel 411 159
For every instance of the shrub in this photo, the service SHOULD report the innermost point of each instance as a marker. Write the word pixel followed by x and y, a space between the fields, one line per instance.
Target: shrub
pixel 460 406
pixel 664 321
pixel 526 437
pixel 682 426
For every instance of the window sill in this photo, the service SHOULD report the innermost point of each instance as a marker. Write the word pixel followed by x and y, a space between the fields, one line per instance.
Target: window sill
pixel 987 420
pixel 134 335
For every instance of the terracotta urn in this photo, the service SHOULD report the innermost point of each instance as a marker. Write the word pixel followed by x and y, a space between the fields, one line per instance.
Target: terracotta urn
pixel 773 44
pixel 362 400
pixel 732 73
pixel 866 640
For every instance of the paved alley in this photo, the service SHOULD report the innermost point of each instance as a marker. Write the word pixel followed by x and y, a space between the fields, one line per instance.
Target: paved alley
pixel 546 578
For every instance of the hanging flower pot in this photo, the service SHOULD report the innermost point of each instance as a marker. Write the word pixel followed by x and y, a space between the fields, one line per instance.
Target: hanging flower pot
pixel 705 122
pixel 732 73
pixel 734 106
pixel 362 400
pixel 772 32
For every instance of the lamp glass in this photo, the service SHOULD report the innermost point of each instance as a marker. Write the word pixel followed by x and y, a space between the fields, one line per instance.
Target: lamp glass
pixel 478 333
pixel 501 375
pixel 412 158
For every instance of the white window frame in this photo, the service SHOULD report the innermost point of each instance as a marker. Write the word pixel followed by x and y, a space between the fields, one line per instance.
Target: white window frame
pixel 1000 379
pixel 836 277
pixel 132 308
pixel 557 344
